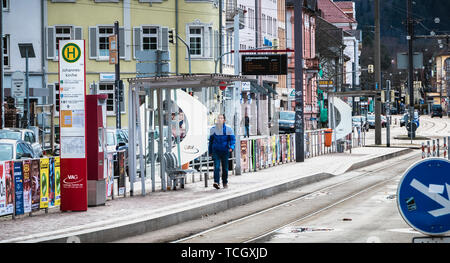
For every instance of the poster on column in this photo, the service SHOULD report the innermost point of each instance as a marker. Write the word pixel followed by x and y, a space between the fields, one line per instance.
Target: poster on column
pixel 44 183
pixel 51 181
pixel 2 189
pixel 121 170
pixel 26 171
pixel 283 148
pixel 293 148
pixel 278 149
pixel 35 185
pixel 72 79
pixel 257 154
pixel 57 181
pixel 269 151
pixel 272 148
pixel 288 145
pixel 9 186
pixel 18 186
pixel 266 157
pixel 244 156
pixel 110 176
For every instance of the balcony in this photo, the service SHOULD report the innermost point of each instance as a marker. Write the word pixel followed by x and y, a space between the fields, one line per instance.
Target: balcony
pixel 231 10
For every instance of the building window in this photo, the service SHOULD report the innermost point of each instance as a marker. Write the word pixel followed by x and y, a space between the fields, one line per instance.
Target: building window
pixel 103 40
pixel 149 38
pixel 251 18
pixel 263 23
pixel 6 52
pixel 5 4
pixel 195 40
pixel 108 88
pixel 62 33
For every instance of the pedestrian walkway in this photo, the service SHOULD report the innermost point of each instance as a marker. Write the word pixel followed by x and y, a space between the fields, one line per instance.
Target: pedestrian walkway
pixel 135 215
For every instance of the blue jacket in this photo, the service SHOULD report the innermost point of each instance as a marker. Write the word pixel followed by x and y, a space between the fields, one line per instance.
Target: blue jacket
pixel 221 141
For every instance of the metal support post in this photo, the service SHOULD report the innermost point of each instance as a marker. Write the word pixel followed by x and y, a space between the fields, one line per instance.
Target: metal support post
pixel 117 78
pixel 27 89
pixel 377 73
pixel 132 140
pixel 236 96
pixel 299 127
pixel 388 114
pixel 161 140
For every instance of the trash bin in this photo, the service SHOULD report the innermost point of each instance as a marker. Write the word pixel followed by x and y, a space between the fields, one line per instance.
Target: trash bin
pixel 328 137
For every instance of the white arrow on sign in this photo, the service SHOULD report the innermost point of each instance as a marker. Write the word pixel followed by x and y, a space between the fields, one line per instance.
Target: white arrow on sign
pixel 435 197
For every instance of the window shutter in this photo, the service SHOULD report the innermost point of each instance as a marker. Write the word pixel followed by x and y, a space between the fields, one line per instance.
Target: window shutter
pixel 216 44
pixel 164 38
pixel 122 42
pixel 78 33
pixel 211 46
pixel 205 43
pixel 136 40
pixel 51 42
pixel 93 43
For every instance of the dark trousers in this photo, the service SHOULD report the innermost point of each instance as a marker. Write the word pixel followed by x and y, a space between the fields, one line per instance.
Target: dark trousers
pixel 247 131
pixel 221 157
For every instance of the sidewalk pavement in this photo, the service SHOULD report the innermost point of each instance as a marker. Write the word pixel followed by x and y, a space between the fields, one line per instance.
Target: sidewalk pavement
pixel 130 216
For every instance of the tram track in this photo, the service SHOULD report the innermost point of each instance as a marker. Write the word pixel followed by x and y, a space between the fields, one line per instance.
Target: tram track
pixel 278 209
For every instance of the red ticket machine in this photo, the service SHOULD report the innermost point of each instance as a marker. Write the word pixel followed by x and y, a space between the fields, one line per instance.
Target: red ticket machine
pixel 96 148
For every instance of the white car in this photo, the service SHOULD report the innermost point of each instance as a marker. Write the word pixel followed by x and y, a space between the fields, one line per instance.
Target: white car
pixel 24 135
pixel 11 149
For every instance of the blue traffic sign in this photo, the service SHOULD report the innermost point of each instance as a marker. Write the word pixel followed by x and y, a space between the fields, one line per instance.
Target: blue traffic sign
pixel 423 196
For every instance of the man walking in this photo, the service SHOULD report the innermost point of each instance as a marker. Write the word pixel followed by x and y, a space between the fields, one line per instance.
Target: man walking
pixel 221 144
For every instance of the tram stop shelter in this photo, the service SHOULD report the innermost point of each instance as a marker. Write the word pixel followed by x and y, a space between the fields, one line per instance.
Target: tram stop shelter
pixel 141 90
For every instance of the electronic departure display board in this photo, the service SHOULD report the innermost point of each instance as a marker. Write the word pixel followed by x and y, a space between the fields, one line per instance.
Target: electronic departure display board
pixel 264 64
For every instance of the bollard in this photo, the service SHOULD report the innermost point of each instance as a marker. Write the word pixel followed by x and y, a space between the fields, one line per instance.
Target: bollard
pixel 445 147
pixel 434 148
pixel 423 150
pixel 428 147
pixel 448 150
pixel 437 147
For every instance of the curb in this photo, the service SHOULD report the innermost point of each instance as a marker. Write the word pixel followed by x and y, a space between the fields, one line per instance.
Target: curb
pixel 378 159
pixel 150 223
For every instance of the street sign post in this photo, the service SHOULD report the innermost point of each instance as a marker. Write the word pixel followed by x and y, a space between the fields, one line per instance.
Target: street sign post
pixel 423 196
pixel 72 79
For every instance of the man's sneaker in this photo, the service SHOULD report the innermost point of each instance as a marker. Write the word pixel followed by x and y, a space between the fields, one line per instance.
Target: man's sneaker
pixel 225 186
pixel 216 185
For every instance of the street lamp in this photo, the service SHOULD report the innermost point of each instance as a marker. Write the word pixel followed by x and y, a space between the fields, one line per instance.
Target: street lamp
pixel 27 51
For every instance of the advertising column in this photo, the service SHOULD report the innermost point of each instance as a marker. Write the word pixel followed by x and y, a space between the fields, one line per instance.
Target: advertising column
pixel 72 91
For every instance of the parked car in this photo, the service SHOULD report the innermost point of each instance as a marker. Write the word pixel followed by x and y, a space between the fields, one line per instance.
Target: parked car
pixel 436 111
pixel 25 135
pixel 286 122
pixel 371 121
pixel 360 121
pixel 11 149
pixel 393 111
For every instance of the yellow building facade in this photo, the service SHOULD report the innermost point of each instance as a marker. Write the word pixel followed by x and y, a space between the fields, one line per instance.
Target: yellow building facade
pixel 144 25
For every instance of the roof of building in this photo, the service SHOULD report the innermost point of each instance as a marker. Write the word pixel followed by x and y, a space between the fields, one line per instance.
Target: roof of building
pixel 333 14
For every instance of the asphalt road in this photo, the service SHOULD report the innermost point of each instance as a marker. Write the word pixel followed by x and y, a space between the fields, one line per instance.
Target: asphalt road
pixel 357 206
